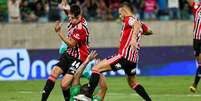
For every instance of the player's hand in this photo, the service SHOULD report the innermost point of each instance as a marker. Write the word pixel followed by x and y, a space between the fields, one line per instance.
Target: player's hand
pixel 57 27
pixel 64 2
pixel 148 33
pixel 92 55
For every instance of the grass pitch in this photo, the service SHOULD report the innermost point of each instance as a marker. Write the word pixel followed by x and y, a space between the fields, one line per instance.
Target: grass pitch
pixel 172 88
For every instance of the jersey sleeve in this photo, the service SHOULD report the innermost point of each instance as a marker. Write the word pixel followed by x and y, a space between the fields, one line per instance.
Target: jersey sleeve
pixel 145 28
pixel 131 21
pixel 194 7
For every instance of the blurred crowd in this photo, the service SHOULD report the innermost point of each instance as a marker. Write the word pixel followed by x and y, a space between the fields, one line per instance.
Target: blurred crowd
pixel 15 11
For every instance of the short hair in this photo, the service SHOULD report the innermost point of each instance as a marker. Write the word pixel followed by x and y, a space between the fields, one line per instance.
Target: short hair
pixel 75 10
pixel 128 5
pixel 84 89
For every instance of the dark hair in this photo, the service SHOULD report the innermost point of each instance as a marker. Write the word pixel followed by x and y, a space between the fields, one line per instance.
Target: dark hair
pixel 84 89
pixel 127 5
pixel 75 10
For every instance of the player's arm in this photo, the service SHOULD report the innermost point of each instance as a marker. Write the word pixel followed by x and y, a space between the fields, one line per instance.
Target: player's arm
pixel 136 25
pixel 190 2
pixel 64 2
pixel 78 74
pixel 146 30
pixel 68 40
pixel 65 6
pixel 103 88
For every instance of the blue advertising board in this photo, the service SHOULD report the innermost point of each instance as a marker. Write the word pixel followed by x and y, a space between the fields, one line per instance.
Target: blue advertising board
pixel 23 64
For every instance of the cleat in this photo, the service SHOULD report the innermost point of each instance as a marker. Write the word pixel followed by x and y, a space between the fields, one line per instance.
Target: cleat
pixel 192 89
pixel 82 97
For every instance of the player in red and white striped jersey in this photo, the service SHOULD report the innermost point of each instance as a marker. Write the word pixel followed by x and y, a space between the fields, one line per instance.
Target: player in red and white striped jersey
pixel 70 60
pixel 79 33
pixel 127 55
pixel 196 9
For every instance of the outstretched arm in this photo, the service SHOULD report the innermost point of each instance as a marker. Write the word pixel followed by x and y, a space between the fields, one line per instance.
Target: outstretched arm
pixel 135 30
pixel 146 29
pixel 68 40
pixel 78 74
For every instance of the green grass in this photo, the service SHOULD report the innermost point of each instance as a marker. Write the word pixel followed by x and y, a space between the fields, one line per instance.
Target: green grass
pixel 160 89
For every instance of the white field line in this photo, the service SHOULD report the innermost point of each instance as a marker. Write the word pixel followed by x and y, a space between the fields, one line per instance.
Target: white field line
pixel 26 92
pixel 132 94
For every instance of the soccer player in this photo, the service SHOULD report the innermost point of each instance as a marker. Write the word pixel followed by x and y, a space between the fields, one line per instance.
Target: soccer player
pixel 196 8
pixel 72 58
pixel 127 54
pixel 77 89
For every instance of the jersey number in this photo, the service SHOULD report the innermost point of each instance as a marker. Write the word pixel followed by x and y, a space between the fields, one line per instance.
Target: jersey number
pixel 76 64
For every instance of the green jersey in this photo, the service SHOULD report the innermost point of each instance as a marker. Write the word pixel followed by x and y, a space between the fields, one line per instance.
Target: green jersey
pixel 62 48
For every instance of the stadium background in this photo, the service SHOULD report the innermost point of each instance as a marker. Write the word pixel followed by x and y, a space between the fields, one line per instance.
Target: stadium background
pixel 29 49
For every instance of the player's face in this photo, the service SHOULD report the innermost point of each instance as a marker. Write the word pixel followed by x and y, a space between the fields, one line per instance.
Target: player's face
pixel 72 19
pixel 121 13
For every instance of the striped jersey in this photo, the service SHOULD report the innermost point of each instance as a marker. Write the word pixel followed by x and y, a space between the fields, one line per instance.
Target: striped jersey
pixel 80 33
pixel 196 8
pixel 125 49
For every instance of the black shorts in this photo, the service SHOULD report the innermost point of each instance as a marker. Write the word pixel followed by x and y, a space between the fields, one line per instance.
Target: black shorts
pixel 68 64
pixel 117 63
pixel 197 47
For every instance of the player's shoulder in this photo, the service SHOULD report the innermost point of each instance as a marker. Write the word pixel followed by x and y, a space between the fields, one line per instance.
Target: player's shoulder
pixel 130 20
pixel 82 25
pixel 195 5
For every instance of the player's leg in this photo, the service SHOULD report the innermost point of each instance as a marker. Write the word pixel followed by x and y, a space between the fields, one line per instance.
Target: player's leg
pixel 56 71
pixel 132 81
pixel 198 72
pixel 102 66
pixel 65 85
pixel 130 70
pixel 103 89
pixel 197 75
pixel 197 49
pixel 68 78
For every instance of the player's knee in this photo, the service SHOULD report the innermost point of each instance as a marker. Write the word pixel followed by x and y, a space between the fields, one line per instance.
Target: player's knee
pixel 56 71
pixel 96 70
pixel 52 78
pixel 133 84
pixel 64 86
pixel 105 87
